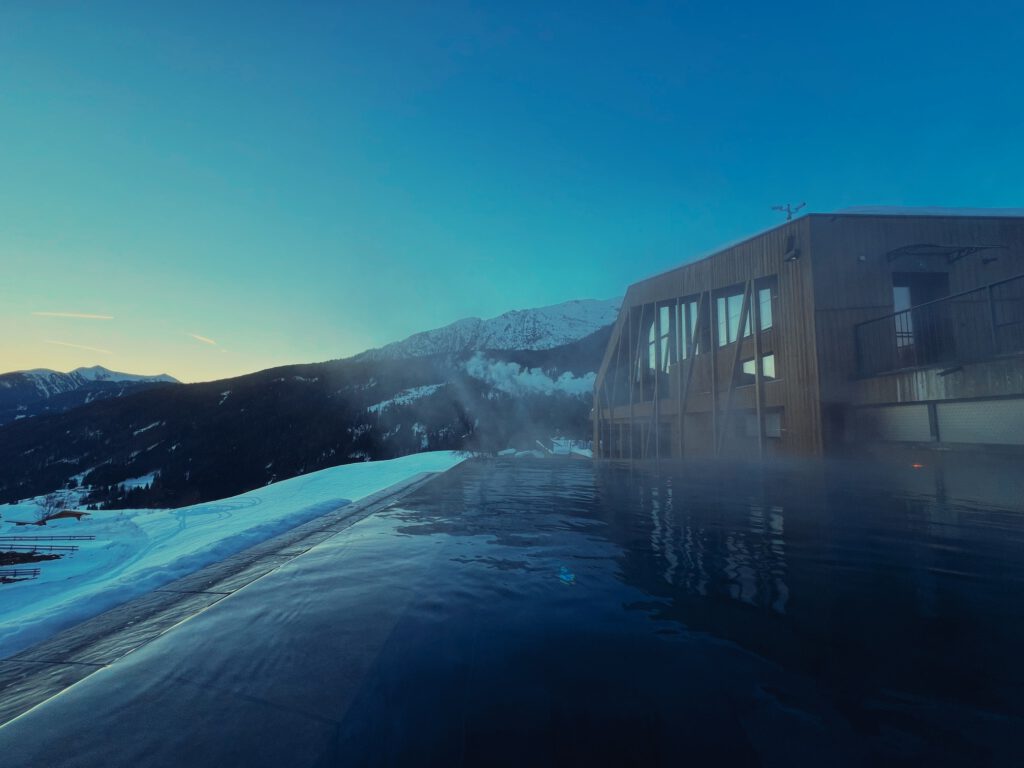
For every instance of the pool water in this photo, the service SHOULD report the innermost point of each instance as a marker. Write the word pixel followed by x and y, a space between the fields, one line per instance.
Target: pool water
pixel 570 613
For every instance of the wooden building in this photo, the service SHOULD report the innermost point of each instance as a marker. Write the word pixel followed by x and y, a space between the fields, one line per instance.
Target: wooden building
pixel 827 332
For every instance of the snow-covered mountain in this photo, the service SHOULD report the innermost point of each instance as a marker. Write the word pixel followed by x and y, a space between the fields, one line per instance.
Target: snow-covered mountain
pixel 31 393
pixel 49 383
pixel 480 385
pixel 527 329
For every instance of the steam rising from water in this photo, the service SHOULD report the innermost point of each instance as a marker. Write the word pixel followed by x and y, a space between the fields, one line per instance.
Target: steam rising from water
pixel 514 379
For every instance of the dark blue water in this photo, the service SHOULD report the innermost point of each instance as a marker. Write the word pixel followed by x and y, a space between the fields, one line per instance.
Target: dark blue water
pixel 563 613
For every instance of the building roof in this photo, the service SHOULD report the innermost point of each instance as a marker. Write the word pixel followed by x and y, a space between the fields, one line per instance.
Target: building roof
pixel 859 210
pixel 895 210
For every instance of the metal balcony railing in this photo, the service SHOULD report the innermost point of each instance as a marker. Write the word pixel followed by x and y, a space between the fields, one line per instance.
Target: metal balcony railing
pixel 974 325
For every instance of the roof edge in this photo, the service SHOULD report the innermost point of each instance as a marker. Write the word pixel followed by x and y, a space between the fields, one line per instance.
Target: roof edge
pixel 877 212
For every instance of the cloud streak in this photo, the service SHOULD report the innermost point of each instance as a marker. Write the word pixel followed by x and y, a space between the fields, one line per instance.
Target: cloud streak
pixel 76 315
pixel 203 339
pixel 79 346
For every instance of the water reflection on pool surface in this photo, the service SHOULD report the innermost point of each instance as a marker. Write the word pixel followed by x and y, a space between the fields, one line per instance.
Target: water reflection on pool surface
pixel 563 612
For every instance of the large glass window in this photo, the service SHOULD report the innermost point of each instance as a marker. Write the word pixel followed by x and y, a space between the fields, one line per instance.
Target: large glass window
pixel 764 300
pixel 652 346
pixel 747 373
pixel 730 306
pixel 645 355
pixel 924 334
pixel 689 344
pixel 665 333
pixel 767 297
pixel 904 322
pixel 729 310
pixel 767 367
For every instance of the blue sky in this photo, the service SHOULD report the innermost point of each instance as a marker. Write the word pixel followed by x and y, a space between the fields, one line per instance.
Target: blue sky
pixel 300 181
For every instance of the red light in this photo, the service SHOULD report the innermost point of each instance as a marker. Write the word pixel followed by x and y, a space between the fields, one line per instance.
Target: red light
pixel 917 466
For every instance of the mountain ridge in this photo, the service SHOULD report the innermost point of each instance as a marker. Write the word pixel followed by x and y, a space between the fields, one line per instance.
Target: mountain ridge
pixel 170 445
pixel 24 394
pixel 173 445
pixel 533 329
pixel 92 373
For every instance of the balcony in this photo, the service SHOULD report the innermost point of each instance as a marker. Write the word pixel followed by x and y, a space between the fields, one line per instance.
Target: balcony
pixel 979 324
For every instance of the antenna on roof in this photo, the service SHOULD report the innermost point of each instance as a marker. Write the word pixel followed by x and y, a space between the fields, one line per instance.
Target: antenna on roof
pixel 788 209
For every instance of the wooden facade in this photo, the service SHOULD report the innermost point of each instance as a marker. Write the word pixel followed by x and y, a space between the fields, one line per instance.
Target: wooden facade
pixel 773 344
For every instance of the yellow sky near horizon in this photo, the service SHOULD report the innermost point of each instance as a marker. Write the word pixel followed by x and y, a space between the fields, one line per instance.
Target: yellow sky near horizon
pixel 63 340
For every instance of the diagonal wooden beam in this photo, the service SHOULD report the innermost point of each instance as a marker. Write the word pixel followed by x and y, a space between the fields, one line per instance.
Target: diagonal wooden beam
pixel 618 372
pixel 640 348
pixel 620 324
pixel 691 363
pixel 744 311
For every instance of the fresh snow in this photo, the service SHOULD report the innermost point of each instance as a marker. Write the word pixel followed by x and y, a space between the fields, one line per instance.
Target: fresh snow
pixel 99 373
pixel 27 509
pixel 421 431
pixel 139 482
pixel 541 328
pixel 564 446
pixel 405 397
pixel 139 550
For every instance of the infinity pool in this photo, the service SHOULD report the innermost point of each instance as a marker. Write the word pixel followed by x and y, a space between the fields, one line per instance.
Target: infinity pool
pixel 565 613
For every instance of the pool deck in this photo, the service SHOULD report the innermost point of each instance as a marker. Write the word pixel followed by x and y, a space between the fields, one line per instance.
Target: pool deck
pixel 36 674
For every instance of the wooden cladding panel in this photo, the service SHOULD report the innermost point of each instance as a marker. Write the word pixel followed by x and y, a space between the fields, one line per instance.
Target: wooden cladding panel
pixel 853 275
pixel 833 271
pixel 791 338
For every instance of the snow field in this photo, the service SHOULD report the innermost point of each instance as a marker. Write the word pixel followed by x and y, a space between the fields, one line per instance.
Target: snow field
pixel 138 550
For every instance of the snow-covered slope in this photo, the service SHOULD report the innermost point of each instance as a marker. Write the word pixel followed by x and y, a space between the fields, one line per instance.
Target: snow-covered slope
pixel 527 329
pixel 135 551
pixel 99 373
pixel 215 439
pixel 479 385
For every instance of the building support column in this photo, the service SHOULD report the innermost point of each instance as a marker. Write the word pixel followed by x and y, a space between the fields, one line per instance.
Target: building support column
pixel 744 315
pixel 656 409
pixel 758 374
pixel 713 357
pixel 630 376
